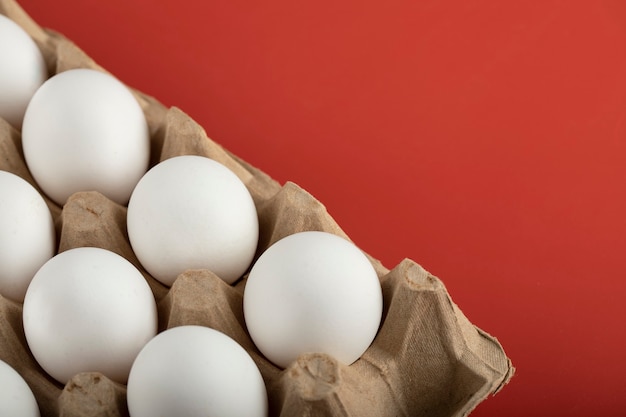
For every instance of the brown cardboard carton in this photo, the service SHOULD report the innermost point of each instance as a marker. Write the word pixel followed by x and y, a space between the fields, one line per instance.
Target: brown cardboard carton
pixel 427 359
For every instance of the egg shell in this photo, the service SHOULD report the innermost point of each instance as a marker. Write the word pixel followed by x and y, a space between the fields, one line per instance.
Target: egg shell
pixel 22 71
pixel 312 292
pixel 191 212
pixel 27 235
pixel 83 130
pixel 16 398
pixel 88 309
pixel 195 371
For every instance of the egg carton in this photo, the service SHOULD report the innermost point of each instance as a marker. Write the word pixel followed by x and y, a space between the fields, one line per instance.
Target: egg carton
pixel 427 359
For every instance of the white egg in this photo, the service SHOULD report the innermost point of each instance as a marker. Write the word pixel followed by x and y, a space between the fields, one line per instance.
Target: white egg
pixel 88 309
pixel 84 131
pixel 312 292
pixel 195 371
pixel 27 235
pixel 191 212
pixel 22 71
pixel 16 397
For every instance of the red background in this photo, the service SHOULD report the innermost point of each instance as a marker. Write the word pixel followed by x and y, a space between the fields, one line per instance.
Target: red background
pixel 485 140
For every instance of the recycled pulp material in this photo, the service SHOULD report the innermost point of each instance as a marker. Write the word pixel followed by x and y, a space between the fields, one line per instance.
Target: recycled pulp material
pixel 427 359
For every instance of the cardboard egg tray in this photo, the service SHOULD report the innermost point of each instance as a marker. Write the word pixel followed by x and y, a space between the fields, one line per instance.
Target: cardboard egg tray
pixel 428 359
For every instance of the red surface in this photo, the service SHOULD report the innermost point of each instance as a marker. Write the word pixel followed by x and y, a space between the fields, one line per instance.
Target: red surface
pixel 485 140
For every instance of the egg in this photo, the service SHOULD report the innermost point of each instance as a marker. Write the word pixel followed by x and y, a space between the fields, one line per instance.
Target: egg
pixel 27 235
pixel 22 71
pixel 195 371
pixel 312 292
pixel 83 130
pixel 88 309
pixel 191 212
pixel 16 397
